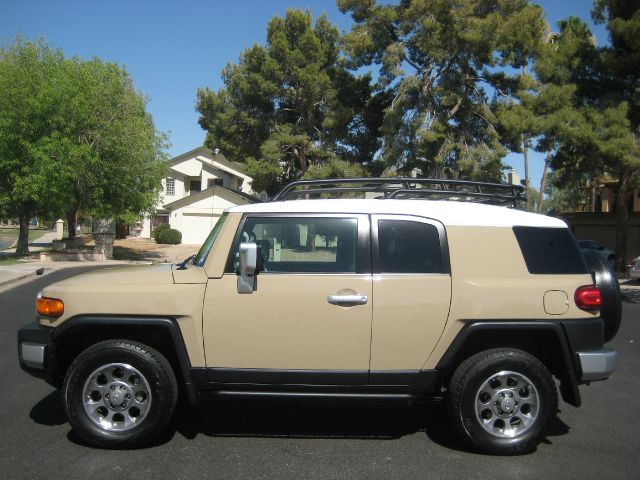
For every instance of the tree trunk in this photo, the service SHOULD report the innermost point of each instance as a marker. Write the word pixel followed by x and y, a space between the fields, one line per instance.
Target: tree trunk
pixel 543 182
pixel 71 223
pixel 22 248
pixel 622 217
pixel 311 238
pixel 300 155
pixel 525 150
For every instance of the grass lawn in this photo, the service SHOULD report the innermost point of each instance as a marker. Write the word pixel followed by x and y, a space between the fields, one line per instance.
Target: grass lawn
pixel 10 258
pixel 124 253
pixel 10 235
pixel 126 249
pixel 7 260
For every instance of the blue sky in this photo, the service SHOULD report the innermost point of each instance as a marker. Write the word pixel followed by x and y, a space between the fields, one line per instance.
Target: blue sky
pixel 171 48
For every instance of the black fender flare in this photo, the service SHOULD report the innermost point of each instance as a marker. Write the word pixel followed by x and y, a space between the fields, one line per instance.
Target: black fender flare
pixel 170 325
pixel 477 336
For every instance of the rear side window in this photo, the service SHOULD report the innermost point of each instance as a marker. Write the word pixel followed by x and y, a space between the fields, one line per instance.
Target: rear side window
pixel 550 251
pixel 408 247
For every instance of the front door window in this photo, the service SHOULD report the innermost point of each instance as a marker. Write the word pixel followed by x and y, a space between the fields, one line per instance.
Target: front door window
pixel 302 245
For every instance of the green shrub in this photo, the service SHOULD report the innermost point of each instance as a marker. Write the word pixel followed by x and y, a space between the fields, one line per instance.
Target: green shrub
pixel 170 236
pixel 158 230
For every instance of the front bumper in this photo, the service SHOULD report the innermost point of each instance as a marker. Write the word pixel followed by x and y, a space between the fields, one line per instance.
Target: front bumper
pixel 36 350
pixel 597 364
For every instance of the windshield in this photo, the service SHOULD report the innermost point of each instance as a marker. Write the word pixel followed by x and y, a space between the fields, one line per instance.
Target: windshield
pixel 201 256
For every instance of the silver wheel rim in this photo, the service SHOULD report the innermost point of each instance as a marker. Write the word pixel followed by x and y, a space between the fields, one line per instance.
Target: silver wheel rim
pixel 116 397
pixel 507 404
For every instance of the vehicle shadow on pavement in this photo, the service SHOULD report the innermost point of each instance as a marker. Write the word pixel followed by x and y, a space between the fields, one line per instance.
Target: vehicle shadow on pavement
pixel 297 418
pixel 308 418
pixel 49 411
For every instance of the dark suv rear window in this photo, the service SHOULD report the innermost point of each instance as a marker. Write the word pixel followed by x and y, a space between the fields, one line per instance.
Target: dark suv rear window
pixel 550 250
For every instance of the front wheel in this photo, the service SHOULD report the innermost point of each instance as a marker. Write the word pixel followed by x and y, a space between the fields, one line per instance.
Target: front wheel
pixel 502 401
pixel 119 394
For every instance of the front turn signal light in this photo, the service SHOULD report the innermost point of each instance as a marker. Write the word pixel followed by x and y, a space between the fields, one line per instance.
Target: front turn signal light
pixel 49 307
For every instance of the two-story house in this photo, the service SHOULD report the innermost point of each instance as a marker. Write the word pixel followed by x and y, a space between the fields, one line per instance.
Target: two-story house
pixel 200 185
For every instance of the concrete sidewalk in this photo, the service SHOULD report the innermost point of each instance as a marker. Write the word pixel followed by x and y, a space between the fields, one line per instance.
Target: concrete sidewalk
pixel 41 243
pixel 15 273
pixel 26 269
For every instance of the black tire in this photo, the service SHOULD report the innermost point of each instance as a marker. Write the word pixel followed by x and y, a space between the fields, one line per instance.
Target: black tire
pixel 605 279
pixel 107 375
pixel 477 419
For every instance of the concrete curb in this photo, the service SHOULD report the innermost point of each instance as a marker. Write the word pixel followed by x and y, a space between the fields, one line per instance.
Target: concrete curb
pixel 18 277
pixel 30 273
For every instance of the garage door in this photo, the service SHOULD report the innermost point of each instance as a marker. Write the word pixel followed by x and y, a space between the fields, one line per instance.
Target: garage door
pixel 196 228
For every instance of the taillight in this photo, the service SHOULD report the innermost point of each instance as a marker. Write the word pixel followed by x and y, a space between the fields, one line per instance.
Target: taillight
pixel 588 298
pixel 49 307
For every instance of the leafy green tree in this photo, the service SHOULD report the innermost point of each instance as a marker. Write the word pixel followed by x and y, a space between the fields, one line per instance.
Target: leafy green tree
pixel 619 82
pixel 27 106
pixel 440 61
pixel 73 135
pixel 567 196
pixel 110 151
pixel 292 104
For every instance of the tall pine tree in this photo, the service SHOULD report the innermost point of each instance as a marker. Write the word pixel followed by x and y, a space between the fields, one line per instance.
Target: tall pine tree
pixel 292 105
pixel 441 61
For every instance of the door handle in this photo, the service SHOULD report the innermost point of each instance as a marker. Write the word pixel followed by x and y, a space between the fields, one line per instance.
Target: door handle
pixel 347 300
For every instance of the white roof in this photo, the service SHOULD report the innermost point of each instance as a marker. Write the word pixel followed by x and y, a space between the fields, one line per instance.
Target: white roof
pixel 446 211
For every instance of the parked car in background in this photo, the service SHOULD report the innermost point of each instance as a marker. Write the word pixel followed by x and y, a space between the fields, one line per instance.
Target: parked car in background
pixel 603 252
pixel 634 269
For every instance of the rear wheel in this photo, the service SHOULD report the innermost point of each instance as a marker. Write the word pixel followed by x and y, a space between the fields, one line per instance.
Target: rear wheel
pixel 119 394
pixel 501 401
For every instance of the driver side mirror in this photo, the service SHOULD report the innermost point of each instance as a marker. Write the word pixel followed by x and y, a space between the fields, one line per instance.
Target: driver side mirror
pixel 250 259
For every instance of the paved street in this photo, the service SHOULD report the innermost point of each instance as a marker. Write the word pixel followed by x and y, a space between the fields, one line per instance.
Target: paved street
pixel 311 439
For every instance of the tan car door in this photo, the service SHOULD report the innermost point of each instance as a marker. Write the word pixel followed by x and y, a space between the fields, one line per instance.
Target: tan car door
pixel 309 318
pixel 412 294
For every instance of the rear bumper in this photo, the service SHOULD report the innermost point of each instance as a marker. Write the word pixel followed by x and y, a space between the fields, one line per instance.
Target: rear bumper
pixel 36 350
pixel 597 364
pixel 592 361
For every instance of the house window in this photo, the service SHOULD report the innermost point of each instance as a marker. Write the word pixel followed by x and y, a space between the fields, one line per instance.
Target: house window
pixel 215 181
pixel 195 186
pixel 170 189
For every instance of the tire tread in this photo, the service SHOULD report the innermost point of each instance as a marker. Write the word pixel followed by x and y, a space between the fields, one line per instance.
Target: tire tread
pixel 464 375
pixel 167 396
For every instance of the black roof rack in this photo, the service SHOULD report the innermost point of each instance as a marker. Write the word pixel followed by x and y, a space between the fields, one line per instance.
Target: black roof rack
pixel 406 188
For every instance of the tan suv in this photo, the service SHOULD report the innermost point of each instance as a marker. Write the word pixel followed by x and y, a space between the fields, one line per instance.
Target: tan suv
pixel 389 296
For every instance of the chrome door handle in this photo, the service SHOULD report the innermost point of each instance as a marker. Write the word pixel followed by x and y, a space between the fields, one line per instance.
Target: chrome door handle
pixel 347 300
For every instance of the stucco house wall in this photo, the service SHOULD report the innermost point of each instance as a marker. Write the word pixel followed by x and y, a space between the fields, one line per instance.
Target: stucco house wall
pixel 223 184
